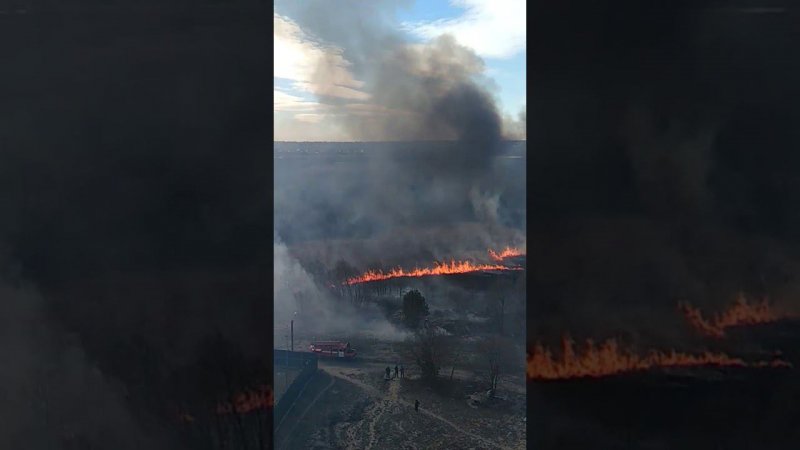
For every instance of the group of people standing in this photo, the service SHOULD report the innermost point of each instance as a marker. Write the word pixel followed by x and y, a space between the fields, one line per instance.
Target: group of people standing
pixel 400 371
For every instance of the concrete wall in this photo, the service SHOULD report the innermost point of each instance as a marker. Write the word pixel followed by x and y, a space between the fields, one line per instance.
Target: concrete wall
pixel 307 363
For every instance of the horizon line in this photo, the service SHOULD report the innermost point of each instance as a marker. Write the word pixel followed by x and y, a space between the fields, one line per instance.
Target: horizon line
pixel 380 142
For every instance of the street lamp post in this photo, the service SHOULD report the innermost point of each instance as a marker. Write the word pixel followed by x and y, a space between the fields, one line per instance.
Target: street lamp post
pixel 286 371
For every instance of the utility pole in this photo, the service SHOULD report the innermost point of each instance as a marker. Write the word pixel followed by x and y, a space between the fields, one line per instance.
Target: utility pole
pixel 286 372
pixel 292 332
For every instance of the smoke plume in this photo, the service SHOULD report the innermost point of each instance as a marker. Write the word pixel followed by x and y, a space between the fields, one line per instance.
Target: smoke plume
pixel 413 92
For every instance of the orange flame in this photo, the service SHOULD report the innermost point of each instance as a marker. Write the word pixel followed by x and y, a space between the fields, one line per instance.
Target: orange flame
pixel 246 402
pixel 508 252
pixel 740 313
pixel 608 359
pixel 453 267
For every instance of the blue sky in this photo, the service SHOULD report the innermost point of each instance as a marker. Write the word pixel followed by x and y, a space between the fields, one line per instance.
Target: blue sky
pixel 493 29
pixel 507 71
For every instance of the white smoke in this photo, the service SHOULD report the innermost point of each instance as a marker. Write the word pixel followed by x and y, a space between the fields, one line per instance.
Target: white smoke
pixel 485 205
pixel 299 298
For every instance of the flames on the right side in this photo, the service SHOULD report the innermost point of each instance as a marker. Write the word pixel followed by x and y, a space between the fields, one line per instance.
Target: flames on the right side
pixel 508 252
pixel 740 313
pixel 609 357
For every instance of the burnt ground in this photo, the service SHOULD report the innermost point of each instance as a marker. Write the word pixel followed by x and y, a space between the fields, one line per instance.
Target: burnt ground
pixel 742 408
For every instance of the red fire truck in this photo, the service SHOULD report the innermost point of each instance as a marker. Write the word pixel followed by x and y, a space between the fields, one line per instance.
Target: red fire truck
pixel 332 349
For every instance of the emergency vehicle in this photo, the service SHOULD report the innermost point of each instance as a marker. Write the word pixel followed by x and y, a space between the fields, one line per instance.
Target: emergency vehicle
pixel 332 349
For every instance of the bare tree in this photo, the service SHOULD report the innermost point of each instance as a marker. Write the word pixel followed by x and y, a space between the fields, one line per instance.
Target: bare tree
pixel 356 294
pixel 457 352
pixel 507 307
pixel 498 352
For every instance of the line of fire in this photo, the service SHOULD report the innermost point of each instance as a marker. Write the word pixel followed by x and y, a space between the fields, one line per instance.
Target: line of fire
pixel 452 267
pixel 611 357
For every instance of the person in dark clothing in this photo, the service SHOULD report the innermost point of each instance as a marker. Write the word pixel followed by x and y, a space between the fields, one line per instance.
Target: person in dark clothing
pixel 388 372
pixel 396 371
pixel 402 375
pixel 416 405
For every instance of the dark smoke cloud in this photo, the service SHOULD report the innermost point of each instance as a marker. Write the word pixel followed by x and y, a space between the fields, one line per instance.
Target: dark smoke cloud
pixel 662 145
pixel 132 185
pixel 419 92
pixel 430 91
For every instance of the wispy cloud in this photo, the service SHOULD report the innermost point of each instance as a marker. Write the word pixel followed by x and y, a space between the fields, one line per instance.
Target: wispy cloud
pixel 287 102
pixel 312 69
pixel 491 28
pixel 312 66
pixel 309 118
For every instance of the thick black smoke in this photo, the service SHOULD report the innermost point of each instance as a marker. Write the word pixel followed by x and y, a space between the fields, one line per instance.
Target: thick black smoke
pixel 133 165
pixel 420 91
pixel 432 100
pixel 663 143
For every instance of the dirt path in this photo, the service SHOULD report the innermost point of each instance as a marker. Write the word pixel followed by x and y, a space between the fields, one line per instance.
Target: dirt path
pixel 382 407
pixel 386 400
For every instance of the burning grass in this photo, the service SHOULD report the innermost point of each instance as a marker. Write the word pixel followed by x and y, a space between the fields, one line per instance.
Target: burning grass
pixel 246 402
pixel 445 268
pixel 249 401
pixel 610 358
pixel 740 313
pixel 508 252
